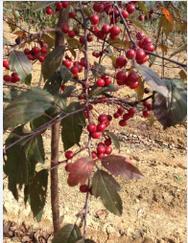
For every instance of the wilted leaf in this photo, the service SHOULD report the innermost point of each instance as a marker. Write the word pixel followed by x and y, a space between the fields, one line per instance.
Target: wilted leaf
pixel 167 14
pixel 106 187
pixel 154 81
pixel 121 166
pixel 49 38
pixel 40 5
pixel 70 233
pixel 173 109
pixel 140 90
pixel 80 171
pixel 183 74
pixel 72 126
pixel 52 62
pixel 26 107
pixel 114 138
pixel 21 64
pixel 117 43
pixel 163 47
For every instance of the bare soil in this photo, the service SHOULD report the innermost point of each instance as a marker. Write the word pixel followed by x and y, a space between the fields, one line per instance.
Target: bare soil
pixel 154 208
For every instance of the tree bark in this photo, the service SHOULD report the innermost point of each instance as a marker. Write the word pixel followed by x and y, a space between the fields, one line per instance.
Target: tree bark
pixel 55 136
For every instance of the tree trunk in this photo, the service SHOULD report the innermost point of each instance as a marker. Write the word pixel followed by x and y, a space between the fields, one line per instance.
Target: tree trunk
pixel 55 136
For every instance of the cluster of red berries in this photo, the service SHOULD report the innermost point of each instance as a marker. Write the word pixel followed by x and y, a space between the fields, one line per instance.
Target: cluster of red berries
pixel 97 130
pixel 103 81
pixel 131 79
pixel 101 151
pixel 146 17
pixel 58 6
pixel 13 78
pixel 124 116
pixel 147 109
pixel 37 53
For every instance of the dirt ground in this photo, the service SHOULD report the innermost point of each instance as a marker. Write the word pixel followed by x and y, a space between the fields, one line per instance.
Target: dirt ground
pixel 154 208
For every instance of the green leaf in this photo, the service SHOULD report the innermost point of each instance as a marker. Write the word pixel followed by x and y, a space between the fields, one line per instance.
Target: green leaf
pixel 52 62
pixel 53 84
pixel 68 91
pixel 26 107
pixel 106 187
pixel 72 126
pixel 28 79
pixel 65 73
pixel 38 193
pixel 70 233
pixel 171 110
pixel 21 64
pixel 21 159
pixel 114 139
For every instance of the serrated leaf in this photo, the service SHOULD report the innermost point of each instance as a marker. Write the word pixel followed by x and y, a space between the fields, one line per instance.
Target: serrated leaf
pixel 114 138
pixel 21 64
pixel 70 233
pixel 80 171
pixel 72 126
pixel 38 193
pixel 173 109
pixel 152 78
pixel 121 166
pixel 106 187
pixel 52 62
pixel 26 107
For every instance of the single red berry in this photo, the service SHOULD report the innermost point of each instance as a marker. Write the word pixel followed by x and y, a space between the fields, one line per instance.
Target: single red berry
pixel 49 10
pixel 6 63
pixel 120 111
pixel 14 77
pixel 44 50
pixel 84 188
pixel 145 113
pixel 96 54
pixel 91 128
pixel 108 150
pixel 147 105
pixel 71 33
pixel 149 47
pixel 35 50
pixel 126 116
pixel 103 118
pixel 130 8
pixel 121 77
pixel 89 37
pixel 130 54
pixel 101 149
pixel 98 7
pixel 74 70
pixel 100 155
pixel 58 6
pixel 121 61
pixel 72 15
pixel 141 17
pixel 96 135
pixel 41 58
pixel 140 35
pixel 132 77
pixel 68 167
pixel 7 78
pixel 100 82
pixel 125 14
pixel 94 19
pixel 134 85
pixel 108 142
pixel 101 127
pixel 62 87
pixel 109 117
pixel 65 27
pixel 122 123
pixel 31 57
pixel 67 63
pixel 69 154
pixel 116 115
pixel 26 51
pixel 131 111
pixel 115 30
pixel 140 54
pixel 141 61
pixel 105 28
pixel 65 4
